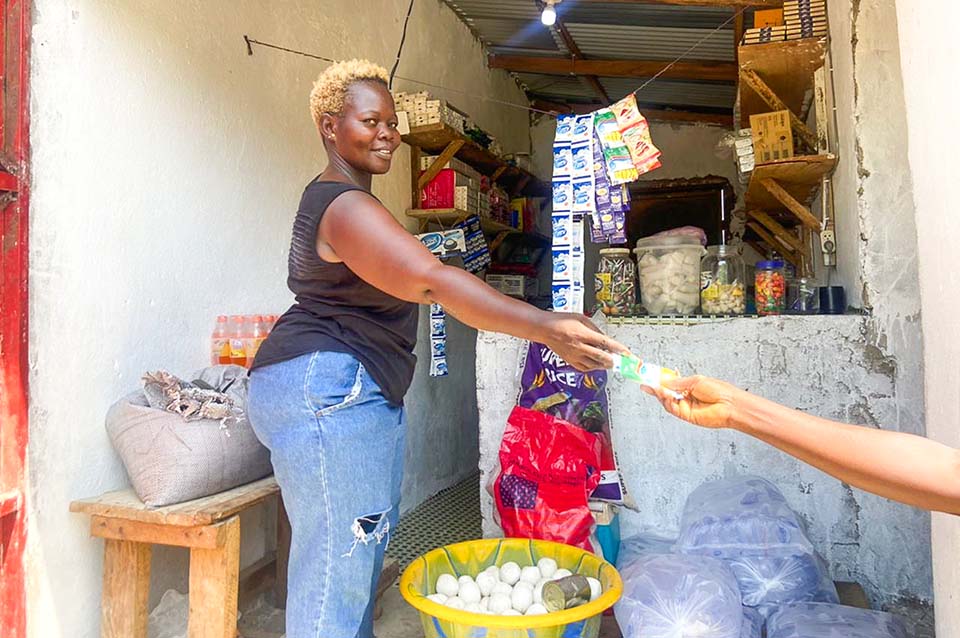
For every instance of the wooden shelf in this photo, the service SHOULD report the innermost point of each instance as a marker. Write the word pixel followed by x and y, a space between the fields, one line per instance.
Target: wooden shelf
pixel 447 217
pixel 786 67
pixel 434 138
pixel 799 176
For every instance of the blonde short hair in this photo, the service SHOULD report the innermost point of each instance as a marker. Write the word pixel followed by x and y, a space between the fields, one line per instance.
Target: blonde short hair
pixel 330 90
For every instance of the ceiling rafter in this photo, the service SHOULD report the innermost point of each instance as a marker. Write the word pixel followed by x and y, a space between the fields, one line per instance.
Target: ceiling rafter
pixel 688 70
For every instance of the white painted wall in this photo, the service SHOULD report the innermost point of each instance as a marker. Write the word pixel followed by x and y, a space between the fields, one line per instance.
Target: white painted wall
pixel 928 53
pixel 818 364
pixel 167 167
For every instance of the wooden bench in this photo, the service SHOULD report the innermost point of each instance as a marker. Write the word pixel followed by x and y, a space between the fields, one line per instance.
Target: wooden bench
pixel 210 527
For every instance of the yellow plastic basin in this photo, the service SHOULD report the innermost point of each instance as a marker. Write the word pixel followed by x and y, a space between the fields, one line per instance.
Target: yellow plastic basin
pixel 472 557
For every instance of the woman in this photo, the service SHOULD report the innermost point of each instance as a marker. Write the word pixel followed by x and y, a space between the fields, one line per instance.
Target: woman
pixel 899 466
pixel 327 386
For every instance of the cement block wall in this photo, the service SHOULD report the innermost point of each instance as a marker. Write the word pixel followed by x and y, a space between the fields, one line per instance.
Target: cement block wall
pixel 167 168
pixel 817 364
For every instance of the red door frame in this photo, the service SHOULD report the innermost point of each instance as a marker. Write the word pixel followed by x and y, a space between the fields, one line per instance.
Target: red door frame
pixel 14 194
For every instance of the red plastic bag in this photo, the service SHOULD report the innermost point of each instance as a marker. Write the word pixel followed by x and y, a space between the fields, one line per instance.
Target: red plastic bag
pixel 548 468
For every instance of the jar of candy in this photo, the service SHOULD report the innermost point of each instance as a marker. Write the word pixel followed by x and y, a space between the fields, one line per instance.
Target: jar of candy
pixel 616 282
pixel 722 283
pixel 771 288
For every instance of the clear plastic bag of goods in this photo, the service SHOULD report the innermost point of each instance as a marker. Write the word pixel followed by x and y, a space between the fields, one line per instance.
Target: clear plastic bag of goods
pixel 740 516
pixel 824 620
pixel 642 544
pixel 746 522
pixel 668 267
pixel 768 581
pixel 676 596
pixel 752 624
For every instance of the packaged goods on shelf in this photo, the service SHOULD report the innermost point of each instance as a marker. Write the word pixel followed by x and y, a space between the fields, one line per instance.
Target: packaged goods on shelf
pixel 767 18
pixel 458 165
pixel 513 285
pixel 764 35
pixel 423 109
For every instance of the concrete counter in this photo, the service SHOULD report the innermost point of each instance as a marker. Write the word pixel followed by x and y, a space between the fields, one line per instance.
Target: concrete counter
pixel 818 364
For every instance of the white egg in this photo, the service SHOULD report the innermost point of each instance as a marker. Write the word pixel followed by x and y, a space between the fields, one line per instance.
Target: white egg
pixel 474 608
pixel 530 575
pixel 547 567
pixel 499 603
pixel 455 603
pixel 469 592
pixel 595 588
pixel 523 585
pixel 535 610
pixel 485 603
pixel 486 583
pixel 561 573
pixel 510 573
pixel 437 598
pixel 512 612
pixel 494 571
pixel 447 585
pixel 465 579
pixel 538 590
pixel 521 598
pixel 502 588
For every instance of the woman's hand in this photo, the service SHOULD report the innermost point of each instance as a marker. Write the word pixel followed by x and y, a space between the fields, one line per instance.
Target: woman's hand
pixel 579 342
pixel 706 402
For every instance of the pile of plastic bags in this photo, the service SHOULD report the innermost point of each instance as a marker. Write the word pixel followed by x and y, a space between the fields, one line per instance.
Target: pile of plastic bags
pixel 742 561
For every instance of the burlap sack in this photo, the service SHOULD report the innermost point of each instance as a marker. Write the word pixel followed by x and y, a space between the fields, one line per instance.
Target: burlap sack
pixel 170 460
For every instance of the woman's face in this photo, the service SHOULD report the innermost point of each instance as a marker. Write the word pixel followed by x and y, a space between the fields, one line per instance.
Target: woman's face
pixel 365 134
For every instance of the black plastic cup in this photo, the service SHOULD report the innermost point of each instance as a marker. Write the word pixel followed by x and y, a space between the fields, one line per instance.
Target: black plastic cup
pixel 833 300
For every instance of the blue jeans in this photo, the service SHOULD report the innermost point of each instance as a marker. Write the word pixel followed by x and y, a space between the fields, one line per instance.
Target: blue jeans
pixel 337 450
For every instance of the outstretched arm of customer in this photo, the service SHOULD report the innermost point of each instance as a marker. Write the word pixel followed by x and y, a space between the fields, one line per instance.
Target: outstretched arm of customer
pixel 903 467
pixel 365 236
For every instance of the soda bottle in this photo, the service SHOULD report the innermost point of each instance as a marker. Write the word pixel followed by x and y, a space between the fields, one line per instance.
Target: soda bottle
pixel 238 350
pixel 257 333
pixel 220 342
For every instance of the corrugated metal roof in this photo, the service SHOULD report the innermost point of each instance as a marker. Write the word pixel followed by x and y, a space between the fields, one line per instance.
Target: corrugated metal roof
pixel 608 30
pixel 628 42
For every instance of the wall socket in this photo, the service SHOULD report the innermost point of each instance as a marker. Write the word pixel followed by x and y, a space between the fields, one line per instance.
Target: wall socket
pixel 828 246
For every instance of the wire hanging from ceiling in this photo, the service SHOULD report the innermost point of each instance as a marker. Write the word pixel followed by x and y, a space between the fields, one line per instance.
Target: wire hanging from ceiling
pixel 403 38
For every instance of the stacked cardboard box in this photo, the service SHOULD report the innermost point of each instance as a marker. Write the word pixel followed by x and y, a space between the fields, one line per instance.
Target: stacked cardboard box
pixel 426 161
pixel 805 19
pixel 517 286
pixel 423 109
pixel 762 35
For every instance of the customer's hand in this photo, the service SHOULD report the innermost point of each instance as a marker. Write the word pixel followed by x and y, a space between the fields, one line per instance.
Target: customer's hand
pixel 706 402
pixel 579 342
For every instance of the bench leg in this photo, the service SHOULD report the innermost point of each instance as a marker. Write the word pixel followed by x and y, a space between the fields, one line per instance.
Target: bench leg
pixel 214 575
pixel 126 586
pixel 283 554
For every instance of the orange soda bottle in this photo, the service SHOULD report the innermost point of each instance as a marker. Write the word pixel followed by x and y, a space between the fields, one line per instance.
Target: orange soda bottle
pixel 238 350
pixel 220 342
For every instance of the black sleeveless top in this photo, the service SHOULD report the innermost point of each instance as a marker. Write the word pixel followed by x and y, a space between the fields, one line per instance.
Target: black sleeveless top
pixel 336 311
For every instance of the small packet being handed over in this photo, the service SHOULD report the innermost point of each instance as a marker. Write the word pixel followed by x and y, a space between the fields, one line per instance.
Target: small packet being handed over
pixel 648 374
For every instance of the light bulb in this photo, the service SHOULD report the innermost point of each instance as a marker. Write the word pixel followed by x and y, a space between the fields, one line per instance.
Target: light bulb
pixel 549 15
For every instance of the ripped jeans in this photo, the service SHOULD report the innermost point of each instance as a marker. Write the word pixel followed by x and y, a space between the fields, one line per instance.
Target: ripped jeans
pixel 337 450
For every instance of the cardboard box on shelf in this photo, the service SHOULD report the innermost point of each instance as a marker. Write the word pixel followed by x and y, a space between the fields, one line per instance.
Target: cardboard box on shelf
pixel 772 136
pixel 513 285
pixel 767 18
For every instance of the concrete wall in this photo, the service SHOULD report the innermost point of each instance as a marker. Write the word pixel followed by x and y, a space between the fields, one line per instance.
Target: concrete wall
pixel 167 167
pixel 817 364
pixel 928 51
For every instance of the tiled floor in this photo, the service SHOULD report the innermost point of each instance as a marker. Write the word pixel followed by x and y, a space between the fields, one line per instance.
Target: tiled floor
pixel 451 516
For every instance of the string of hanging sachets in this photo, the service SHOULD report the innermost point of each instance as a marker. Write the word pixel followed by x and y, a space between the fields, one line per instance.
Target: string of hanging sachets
pixel 594 157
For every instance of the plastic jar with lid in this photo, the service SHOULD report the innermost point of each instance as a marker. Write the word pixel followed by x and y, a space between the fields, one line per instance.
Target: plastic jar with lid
pixel 669 272
pixel 722 284
pixel 771 288
pixel 616 282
